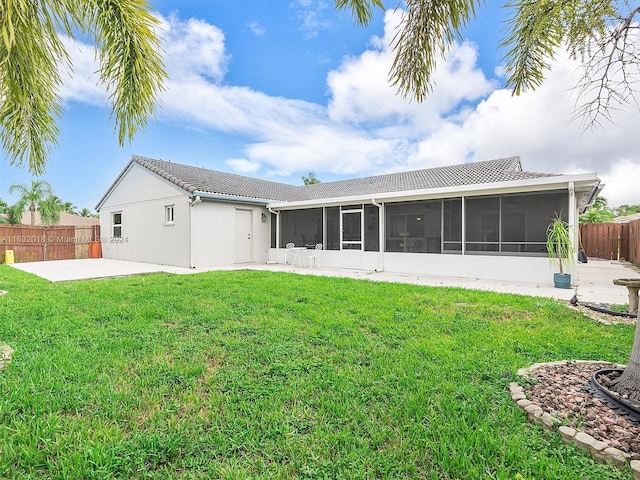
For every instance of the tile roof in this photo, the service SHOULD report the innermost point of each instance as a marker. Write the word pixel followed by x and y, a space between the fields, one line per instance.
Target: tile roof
pixel 196 179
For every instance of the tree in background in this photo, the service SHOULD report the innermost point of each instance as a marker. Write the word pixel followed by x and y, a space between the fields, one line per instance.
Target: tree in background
pixel 85 212
pixel 32 54
pixel 66 207
pixel 624 210
pixel 38 197
pixel 602 34
pixel 311 179
pixel 599 212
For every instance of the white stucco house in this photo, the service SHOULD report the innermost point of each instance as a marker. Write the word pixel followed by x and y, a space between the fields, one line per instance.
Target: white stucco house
pixel 480 220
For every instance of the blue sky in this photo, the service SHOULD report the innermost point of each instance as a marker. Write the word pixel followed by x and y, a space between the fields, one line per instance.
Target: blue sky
pixel 277 89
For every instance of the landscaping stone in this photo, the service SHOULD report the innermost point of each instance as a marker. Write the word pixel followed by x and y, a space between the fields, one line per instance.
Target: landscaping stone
pixel 607 436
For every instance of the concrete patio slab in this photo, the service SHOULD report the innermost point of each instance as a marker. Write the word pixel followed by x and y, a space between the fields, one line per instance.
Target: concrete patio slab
pixel 595 278
pixel 84 269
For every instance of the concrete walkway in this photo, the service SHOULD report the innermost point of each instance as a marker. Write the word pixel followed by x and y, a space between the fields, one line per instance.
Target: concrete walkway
pixel 595 278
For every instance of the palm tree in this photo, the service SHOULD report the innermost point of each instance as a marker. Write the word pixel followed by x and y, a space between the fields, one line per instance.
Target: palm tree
pixel 599 34
pixel 39 197
pixel 32 52
pixel 311 179
pixel 67 207
pixel 85 212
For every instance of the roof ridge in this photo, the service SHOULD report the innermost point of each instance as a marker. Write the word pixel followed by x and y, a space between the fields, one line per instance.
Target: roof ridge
pixel 146 163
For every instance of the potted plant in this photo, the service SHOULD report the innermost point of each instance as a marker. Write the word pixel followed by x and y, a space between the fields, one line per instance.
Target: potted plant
pixel 560 249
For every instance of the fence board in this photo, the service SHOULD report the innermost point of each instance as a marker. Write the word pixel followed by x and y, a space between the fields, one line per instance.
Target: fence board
pixel 34 244
pixel 634 242
pixel 605 240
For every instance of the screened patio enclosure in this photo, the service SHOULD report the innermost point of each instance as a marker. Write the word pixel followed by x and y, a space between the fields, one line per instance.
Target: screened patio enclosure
pixel 509 224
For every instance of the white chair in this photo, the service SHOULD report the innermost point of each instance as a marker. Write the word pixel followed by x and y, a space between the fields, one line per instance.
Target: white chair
pixel 313 255
pixel 289 253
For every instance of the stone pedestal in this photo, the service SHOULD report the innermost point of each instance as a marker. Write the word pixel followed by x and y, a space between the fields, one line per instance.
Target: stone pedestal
pixel 633 285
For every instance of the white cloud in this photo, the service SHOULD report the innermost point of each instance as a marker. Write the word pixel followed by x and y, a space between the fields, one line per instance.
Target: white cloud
pixel 310 17
pixel 367 129
pixel 193 47
pixel 82 84
pixel 242 165
pixel 256 29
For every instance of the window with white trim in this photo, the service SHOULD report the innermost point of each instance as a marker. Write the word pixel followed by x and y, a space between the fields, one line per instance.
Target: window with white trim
pixel 169 215
pixel 116 220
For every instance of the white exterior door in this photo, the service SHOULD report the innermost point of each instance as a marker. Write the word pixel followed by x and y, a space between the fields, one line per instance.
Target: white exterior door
pixel 351 245
pixel 244 236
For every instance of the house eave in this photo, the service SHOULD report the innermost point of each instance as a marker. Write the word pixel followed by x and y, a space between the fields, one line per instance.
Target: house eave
pixel 580 181
pixel 220 197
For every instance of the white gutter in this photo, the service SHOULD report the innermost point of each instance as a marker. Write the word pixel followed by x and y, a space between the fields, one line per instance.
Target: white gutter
pixel 595 191
pixel 533 184
pixel 230 198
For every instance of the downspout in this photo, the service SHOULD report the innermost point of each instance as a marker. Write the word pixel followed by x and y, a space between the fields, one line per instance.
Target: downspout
pixel 380 234
pixel 464 226
pixel 573 223
pixel 192 202
pixel 592 196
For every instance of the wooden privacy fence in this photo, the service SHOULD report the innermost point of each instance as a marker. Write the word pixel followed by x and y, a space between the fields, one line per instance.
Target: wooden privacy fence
pixel 613 241
pixel 34 244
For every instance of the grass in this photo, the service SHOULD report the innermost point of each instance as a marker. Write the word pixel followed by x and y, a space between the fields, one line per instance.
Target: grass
pixel 239 375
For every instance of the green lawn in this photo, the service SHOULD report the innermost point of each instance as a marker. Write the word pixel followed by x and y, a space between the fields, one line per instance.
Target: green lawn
pixel 239 375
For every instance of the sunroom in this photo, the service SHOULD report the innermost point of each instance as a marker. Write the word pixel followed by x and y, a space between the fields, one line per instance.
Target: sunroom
pixel 482 231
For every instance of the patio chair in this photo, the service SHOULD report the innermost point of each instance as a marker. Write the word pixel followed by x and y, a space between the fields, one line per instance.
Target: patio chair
pixel 313 255
pixel 289 253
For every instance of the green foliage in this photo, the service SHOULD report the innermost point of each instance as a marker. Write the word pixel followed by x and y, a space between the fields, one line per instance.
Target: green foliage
pixel 624 210
pixel 428 31
pixel 32 55
pixel 311 179
pixel 85 212
pixel 537 28
pixel 361 11
pixel 599 212
pixel 559 243
pixel 38 197
pixel 274 376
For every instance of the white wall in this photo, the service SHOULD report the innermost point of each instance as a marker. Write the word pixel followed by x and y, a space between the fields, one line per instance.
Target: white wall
pixel 488 267
pixel 213 241
pixel 141 197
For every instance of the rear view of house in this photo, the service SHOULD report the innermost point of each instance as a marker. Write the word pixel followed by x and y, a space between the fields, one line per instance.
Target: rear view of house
pixel 480 220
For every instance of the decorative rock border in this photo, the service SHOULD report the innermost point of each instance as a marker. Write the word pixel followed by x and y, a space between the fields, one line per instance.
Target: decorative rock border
pixel 600 451
pixel 5 355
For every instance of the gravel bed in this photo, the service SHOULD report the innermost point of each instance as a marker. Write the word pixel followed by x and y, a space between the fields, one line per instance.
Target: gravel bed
pixel 560 390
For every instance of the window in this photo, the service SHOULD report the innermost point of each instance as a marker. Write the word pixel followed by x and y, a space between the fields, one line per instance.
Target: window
pixel 117 224
pixel 371 228
pixel 452 225
pixel 414 227
pixel 482 224
pixel 512 224
pixel 332 226
pixel 301 227
pixel 168 215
